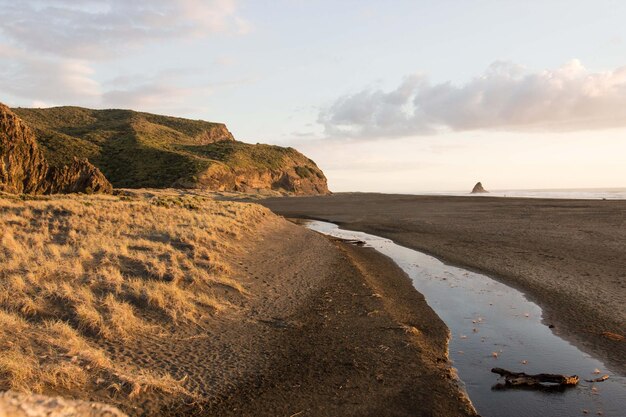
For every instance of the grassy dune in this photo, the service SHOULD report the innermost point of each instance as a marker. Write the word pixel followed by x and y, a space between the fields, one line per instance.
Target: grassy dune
pixel 80 273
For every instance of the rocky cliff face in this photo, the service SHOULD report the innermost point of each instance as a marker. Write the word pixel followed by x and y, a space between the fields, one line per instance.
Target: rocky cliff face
pixel 292 177
pixel 24 169
pixel 217 134
pixel 78 177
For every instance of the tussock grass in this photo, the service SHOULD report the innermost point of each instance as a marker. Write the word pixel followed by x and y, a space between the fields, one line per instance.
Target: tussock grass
pixel 78 272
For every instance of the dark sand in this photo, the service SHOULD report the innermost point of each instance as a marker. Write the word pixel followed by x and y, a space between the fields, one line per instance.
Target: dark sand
pixel 569 256
pixel 345 334
pixel 326 329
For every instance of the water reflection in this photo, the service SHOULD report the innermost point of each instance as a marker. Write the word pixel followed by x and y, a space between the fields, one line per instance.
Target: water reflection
pixel 493 325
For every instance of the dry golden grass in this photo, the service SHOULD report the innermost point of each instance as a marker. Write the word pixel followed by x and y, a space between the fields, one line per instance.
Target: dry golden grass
pixel 77 271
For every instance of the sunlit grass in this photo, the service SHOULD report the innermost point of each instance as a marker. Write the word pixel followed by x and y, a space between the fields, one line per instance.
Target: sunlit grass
pixel 78 271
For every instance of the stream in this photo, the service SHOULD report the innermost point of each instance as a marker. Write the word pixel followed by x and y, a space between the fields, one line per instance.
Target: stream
pixel 493 325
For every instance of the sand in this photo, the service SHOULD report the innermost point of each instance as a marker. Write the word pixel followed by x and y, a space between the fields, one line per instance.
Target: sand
pixel 292 323
pixel 569 256
pixel 326 329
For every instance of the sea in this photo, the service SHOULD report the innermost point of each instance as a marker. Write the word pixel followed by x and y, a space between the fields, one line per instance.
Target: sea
pixel 572 193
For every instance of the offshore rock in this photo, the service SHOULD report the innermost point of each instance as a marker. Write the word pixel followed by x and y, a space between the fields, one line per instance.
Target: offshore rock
pixel 478 189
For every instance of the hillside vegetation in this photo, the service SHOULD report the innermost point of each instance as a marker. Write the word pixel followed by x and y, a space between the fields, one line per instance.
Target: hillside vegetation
pixel 83 279
pixel 136 150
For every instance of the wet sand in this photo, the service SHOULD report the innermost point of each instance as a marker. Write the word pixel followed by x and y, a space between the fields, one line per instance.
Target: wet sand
pixel 569 256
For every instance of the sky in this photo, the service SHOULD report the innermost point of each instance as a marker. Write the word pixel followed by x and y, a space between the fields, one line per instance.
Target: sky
pixel 394 96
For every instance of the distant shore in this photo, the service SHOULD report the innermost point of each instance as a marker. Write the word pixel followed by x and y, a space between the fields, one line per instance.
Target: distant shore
pixel 569 256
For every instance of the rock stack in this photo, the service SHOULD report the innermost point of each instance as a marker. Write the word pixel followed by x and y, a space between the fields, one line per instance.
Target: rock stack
pixel 478 189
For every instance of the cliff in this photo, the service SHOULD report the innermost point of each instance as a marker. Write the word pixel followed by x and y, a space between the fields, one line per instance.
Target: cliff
pixel 78 177
pixel 24 168
pixel 136 150
pixel 247 168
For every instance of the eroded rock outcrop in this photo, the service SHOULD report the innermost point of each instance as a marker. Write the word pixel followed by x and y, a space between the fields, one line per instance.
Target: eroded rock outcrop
pixel 478 189
pixel 13 404
pixel 217 134
pixel 78 177
pixel 295 174
pixel 24 169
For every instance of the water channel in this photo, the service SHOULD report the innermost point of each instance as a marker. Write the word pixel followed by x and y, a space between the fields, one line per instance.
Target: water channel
pixel 493 325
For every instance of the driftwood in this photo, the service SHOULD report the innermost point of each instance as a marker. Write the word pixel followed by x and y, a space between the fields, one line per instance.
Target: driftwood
pixel 354 242
pixel 600 379
pixel 539 380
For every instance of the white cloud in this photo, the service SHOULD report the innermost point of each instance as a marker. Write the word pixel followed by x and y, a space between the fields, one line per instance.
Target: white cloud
pixel 88 29
pixel 46 80
pixel 163 91
pixel 146 96
pixel 505 97
pixel 58 52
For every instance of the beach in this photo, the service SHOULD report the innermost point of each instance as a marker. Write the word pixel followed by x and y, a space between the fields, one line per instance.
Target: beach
pixel 173 303
pixel 182 303
pixel 329 329
pixel 569 256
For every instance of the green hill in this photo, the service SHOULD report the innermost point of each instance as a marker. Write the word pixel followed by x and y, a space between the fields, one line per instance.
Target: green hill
pixel 136 150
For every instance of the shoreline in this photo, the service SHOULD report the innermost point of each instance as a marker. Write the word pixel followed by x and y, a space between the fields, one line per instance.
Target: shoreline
pixel 212 308
pixel 341 331
pixel 565 255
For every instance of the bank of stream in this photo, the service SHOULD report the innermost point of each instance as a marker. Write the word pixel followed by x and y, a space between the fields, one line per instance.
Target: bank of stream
pixel 493 325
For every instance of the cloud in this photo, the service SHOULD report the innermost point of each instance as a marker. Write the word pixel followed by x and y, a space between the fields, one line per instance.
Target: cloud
pixel 162 91
pixel 38 81
pixel 506 97
pixel 46 80
pixel 91 29
pixel 146 96
pixel 59 52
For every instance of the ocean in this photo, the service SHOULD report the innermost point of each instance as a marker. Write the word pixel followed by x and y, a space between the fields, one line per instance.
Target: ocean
pixel 581 193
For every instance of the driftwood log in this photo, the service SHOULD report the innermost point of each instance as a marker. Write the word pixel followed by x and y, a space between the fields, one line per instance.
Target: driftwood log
pixel 600 379
pixel 355 242
pixel 522 379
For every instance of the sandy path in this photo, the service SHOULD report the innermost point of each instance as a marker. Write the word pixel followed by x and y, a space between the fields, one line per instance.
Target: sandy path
pixel 326 330
pixel 332 341
pixel 568 255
